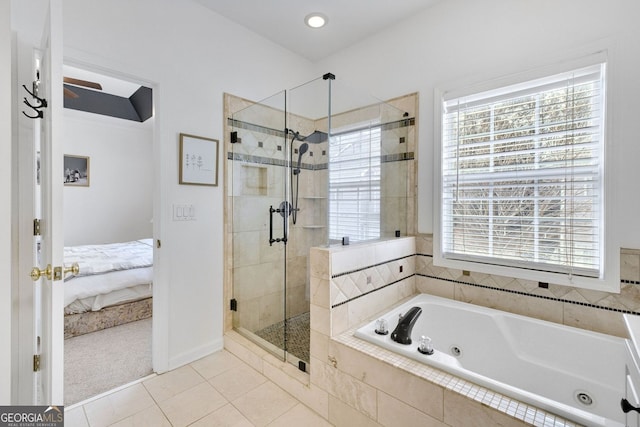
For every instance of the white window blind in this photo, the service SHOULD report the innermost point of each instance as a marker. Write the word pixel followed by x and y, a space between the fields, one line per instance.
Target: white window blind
pixel 522 175
pixel 354 184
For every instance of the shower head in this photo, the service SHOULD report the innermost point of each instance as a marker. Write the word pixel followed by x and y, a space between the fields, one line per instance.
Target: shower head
pixel 316 137
pixel 301 150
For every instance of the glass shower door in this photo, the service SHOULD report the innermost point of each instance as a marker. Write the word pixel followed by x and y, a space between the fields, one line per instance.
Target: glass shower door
pixel 258 177
pixel 307 167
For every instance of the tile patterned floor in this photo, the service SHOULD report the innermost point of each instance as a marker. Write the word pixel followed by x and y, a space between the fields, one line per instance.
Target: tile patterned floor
pixel 218 390
pixel 297 335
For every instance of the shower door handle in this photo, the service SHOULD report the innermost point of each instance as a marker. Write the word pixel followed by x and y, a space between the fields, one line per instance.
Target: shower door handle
pixel 284 212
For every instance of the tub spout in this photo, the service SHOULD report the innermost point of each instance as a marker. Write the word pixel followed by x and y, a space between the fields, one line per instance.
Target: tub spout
pixel 402 332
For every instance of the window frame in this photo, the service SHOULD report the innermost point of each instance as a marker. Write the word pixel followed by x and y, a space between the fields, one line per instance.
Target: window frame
pixel 609 279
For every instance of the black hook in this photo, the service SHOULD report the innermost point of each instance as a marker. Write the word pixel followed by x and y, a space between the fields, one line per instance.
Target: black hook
pixel 36 108
pixel 39 116
pixel 42 101
pixel 39 112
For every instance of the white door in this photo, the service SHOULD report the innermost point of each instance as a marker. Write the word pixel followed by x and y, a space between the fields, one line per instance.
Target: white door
pixel 48 292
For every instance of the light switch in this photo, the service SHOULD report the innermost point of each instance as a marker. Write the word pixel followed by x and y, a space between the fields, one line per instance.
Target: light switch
pixel 184 212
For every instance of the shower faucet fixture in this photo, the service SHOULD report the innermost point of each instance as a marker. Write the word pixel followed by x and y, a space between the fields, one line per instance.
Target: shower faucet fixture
pixel 314 138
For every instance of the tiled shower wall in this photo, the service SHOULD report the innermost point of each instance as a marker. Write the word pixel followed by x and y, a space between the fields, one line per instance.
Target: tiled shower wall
pixel 254 180
pixel 255 174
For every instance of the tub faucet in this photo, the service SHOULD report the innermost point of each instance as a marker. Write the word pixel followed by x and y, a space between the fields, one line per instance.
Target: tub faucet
pixel 402 332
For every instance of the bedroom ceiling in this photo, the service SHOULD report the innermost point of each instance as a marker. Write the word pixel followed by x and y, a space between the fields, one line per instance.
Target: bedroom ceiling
pixel 115 97
pixel 282 21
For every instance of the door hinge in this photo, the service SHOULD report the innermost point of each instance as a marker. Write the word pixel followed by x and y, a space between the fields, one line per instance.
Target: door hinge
pixel 36 227
pixel 233 304
pixel 36 362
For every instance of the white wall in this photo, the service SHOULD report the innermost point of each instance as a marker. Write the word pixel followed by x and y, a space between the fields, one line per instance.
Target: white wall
pixel 472 41
pixel 5 203
pixel 192 56
pixel 118 204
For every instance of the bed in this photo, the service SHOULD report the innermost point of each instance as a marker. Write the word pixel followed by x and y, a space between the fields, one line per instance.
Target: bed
pixel 114 285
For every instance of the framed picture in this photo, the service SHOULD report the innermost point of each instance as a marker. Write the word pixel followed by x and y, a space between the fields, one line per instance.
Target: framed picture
pixel 76 171
pixel 198 160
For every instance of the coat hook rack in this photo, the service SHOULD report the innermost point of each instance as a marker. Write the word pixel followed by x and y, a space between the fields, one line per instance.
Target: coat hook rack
pixel 41 101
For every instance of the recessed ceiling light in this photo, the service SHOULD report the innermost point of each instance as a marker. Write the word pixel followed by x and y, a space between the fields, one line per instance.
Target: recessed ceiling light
pixel 315 20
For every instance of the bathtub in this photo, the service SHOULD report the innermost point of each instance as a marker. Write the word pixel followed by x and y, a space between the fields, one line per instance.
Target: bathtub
pixel 577 374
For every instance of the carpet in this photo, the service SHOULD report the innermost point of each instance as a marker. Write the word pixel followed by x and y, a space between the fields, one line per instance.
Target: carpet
pixel 106 359
pixel 297 335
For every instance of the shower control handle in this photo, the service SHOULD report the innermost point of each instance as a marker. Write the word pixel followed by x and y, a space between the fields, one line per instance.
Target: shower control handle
pixel 628 407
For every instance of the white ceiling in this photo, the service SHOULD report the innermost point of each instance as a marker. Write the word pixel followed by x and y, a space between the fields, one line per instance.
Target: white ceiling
pixel 282 22
pixel 349 21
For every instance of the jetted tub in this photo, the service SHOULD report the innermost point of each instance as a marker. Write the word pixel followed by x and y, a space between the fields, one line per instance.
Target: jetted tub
pixel 574 373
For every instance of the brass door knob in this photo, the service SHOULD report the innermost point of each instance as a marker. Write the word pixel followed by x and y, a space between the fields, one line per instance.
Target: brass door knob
pixel 74 269
pixel 36 273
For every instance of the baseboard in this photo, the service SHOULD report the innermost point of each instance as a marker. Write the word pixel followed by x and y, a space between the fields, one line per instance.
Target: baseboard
pixel 197 353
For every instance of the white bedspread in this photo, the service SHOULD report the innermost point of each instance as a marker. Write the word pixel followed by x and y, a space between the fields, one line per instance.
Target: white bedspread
pixel 100 259
pixel 106 269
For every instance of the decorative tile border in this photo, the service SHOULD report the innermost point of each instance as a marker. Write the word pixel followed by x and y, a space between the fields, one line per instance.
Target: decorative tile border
pixel 511 291
pixel 396 124
pixel 238 124
pixel 333 276
pixel 261 160
pixel 388 158
pixel 467 283
pixel 248 158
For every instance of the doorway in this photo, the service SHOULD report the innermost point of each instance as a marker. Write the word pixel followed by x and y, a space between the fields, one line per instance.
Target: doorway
pixel 37 351
pixel 108 230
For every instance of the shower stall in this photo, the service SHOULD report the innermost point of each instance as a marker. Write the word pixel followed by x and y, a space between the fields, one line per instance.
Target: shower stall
pixel 316 165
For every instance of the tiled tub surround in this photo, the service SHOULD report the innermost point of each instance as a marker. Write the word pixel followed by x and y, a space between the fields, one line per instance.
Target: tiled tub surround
pixel 541 363
pixel 377 385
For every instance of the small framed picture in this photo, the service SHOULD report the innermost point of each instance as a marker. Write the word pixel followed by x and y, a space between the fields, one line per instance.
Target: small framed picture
pixel 198 160
pixel 76 171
